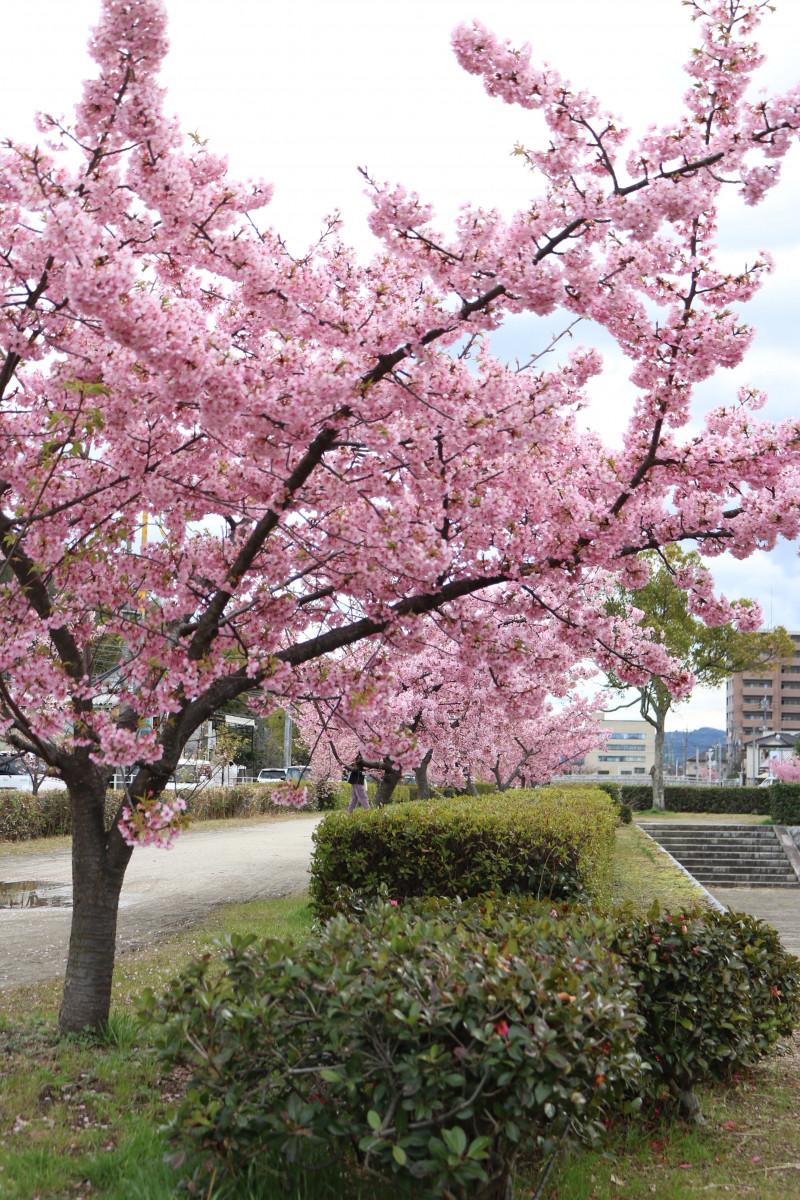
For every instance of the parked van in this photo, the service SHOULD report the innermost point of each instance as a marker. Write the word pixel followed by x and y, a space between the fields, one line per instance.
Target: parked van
pixel 280 774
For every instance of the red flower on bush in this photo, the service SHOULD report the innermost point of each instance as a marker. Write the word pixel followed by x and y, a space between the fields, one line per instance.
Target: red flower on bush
pixel 501 1028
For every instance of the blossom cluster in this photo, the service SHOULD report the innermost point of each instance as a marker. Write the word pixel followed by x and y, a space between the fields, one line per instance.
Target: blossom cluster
pixel 290 795
pixel 153 822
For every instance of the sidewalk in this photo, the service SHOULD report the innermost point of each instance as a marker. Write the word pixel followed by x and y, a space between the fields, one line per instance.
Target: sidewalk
pixel 779 907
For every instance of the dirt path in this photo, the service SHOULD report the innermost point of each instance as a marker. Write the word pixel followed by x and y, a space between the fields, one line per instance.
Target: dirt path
pixel 164 890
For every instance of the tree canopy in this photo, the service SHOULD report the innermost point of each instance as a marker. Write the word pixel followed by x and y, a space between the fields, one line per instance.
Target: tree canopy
pixel 232 463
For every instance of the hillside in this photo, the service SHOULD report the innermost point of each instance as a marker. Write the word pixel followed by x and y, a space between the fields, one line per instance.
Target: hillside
pixel 678 745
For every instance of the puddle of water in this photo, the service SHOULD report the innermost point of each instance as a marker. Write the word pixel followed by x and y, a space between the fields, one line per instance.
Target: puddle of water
pixel 33 893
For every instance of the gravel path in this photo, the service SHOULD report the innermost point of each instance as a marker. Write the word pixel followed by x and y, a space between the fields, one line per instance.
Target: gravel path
pixel 164 890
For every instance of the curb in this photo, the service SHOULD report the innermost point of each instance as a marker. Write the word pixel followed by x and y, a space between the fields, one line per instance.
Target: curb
pixel 787 841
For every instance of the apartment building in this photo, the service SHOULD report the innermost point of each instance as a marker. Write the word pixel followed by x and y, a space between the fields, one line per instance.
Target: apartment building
pixel 762 700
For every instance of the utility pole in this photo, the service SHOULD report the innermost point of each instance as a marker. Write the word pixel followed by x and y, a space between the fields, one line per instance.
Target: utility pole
pixel 287 738
pixel 763 705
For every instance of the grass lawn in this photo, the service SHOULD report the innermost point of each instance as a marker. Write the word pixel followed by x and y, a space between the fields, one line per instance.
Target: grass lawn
pixel 80 1120
pixel 643 871
pixel 657 814
pixel 749 1146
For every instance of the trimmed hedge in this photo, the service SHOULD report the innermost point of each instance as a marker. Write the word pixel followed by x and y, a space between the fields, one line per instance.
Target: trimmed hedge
pixel 447 790
pixel 697 798
pixel 611 789
pixel 785 803
pixel 421 1047
pixel 220 803
pixel 24 816
pixel 545 842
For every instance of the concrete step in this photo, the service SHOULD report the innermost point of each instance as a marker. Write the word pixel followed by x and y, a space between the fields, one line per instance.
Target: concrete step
pixel 757 859
pixel 745 881
pixel 698 828
pixel 677 838
pixel 741 839
pixel 727 855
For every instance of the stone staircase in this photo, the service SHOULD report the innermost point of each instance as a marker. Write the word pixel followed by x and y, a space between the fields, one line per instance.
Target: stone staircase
pixel 727 856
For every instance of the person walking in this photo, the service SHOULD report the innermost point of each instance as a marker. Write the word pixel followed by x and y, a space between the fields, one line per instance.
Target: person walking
pixel 358 786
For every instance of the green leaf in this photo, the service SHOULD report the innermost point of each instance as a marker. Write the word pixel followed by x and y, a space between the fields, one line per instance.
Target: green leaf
pixel 399 1155
pixel 332 1074
pixel 373 1120
pixel 478 1147
pixel 455 1139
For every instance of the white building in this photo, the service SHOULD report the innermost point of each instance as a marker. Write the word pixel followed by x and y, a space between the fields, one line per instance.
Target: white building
pixel 629 750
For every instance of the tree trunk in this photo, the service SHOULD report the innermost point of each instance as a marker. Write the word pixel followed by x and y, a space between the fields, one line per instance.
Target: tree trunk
pixel 471 789
pixel 658 766
pixel 421 776
pixel 99 860
pixel 498 777
pixel 391 777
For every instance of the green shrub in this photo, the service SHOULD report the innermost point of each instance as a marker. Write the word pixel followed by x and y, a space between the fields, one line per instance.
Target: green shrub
pixel 715 991
pixel 625 814
pixel 611 789
pixel 548 842
pixel 24 816
pixel 784 803
pixel 211 803
pixel 429 1048
pixel 412 792
pixel 696 798
pixel 326 795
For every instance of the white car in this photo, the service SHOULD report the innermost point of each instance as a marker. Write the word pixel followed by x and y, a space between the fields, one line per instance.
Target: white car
pixel 13 775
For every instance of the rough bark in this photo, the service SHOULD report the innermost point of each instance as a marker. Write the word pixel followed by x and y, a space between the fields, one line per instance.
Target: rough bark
pixel 498 778
pixel 471 789
pixel 389 780
pixel 421 776
pixel 658 766
pixel 99 860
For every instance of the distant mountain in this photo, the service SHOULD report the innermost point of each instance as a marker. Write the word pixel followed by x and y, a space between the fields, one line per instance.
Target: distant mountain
pixel 678 745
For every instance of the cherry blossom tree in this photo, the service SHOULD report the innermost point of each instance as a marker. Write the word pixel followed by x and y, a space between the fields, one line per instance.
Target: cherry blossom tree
pixel 455 716
pixel 326 452
pixel 472 737
pixel 787 770
pixel 536 751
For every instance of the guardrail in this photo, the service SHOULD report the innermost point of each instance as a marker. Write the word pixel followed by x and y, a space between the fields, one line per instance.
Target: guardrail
pixel 646 780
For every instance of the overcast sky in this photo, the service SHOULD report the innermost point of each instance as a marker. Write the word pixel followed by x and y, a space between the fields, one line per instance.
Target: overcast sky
pixel 304 93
